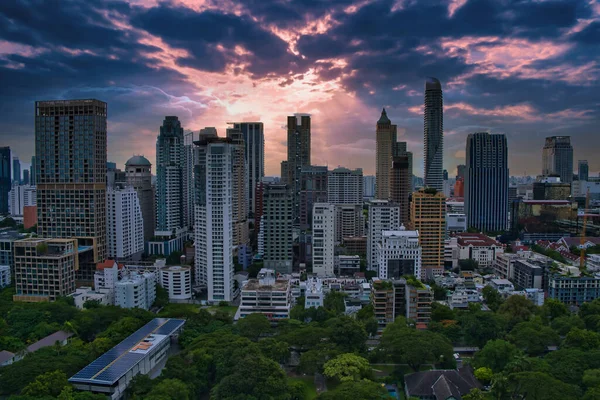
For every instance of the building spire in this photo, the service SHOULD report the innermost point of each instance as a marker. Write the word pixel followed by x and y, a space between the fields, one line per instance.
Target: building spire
pixel 384 118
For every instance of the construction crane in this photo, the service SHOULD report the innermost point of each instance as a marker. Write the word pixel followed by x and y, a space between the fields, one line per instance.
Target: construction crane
pixel 583 231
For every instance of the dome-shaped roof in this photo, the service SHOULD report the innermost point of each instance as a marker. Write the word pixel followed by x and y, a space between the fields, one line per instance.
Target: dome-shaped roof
pixel 433 84
pixel 138 160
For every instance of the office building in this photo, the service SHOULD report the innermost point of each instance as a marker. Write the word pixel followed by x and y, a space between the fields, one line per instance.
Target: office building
pixel 298 155
pixel 368 187
pixel 45 268
pixel 125 225
pixel 187 178
pixel 5 178
pixel 346 265
pixel 32 171
pixel 177 280
pixel 401 184
pixel 136 290
pixel 313 190
pixel 214 185
pixel 399 254
pixel 70 151
pixel 551 188
pixel 277 222
pixel 284 172
pixel 456 222
pixel 349 222
pixel 323 235
pixel 16 170
pixel 386 136
pixel 486 183
pixel 529 274
pixel 266 295
pixel 21 196
pixel 557 158
pixel 169 178
pixel 583 170
pixel 433 134
pixel 383 216
pixel 428 214
pixel 138 173
pixel 114 175
pixel 254 153
pixel 5 276
pixel 25 180
pixel 356 245
pixel 345 186
pixel 140 353
pixel 239 182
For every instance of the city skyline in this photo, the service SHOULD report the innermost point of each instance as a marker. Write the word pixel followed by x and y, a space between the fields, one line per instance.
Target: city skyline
pixel 497 69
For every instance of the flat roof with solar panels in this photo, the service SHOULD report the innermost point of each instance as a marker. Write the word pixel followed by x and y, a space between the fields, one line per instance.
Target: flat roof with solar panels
pixel 140 353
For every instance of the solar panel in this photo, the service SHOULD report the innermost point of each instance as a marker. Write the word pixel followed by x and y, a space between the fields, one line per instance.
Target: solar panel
pixel 112 365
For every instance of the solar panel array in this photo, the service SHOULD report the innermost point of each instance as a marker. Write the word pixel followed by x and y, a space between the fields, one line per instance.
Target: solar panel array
pixel 112 365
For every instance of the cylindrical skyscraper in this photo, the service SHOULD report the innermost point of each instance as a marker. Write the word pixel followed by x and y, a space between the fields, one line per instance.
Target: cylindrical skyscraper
pixel 434 134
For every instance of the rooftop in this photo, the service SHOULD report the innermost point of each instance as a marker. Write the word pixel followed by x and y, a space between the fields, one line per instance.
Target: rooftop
pixel 277 285
pixel 475 239
pixel 5 356
pixel 115 363
pixel 138 160
pixel 49 340
pixel 9 234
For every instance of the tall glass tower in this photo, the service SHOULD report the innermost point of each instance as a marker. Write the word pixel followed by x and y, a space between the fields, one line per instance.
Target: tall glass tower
pixel 557 158
pixel 5 178
pixel 433 134
pixel 486 182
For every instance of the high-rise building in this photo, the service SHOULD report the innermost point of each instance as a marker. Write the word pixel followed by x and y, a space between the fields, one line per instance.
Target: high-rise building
pixel 369 186
pixel 138 173
pixel 277 222
pixel 583 170
pixel 383 216
pixel 323 244
pixel 70 157
pixel 254 154
pixel 21 196
pixel 433 134
pixel 349 222
pixel 137 290
pixel 32 172
pixel 187 187
pixel 16 170
pixel 124 224
pixel 428 216
pixel 313 189
pixel 5 178
pixel 486 185
pixel 25 180
pixel 399 254
pixel 240 188
pixel 214 185
pixel 386 135
pixel 284 172
pixel 169 177
pixel 459 187
pixel 401 184
pixel 298 150
pixel 460 171
pixel 557 158
pixel 345 186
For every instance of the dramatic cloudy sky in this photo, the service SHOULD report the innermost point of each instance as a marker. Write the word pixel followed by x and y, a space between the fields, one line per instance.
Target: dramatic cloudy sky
pixel 527 68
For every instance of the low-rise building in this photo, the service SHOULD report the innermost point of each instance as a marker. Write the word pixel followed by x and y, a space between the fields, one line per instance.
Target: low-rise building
pixel 461 298
pixel 111 373
pixel 266 295
pixel 346 265
pixel 456 222
pixel 85 293
pixel 4 276
pixel 7 240
pixel 474 246
pixel 529 274
pixel 313 296
pixel 138 290
pixel 502 285
pixel 593 263
pixel 177 280
pixel 573 290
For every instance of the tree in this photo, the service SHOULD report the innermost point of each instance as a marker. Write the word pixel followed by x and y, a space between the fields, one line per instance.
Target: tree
pixel 592 394
pixel 568 365
pixel 480 327
pixel 348 367
pixel 174 258
pixel 537 385
pixel 169 389
pixel 8 222
pixel 492 298
pixel 48 384
pixel 591 378
pixel 253 326
pixel 371 326
pixel 532 337
pixel 468 265
pixel 553 309
pixel 563 325
pixel 582 339
pixel 334 301
pixel 496 354
pixel 474 394
pixel 275 350
pixel 517 309
pixel 312 361
pixel 440 312
pixel 484 374
pixel 364 390
pixel 348 334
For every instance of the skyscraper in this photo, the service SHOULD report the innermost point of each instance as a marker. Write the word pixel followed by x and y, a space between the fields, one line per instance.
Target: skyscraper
pixel 5 178
pixel 254 142
pixel 25 180
pixel 401 184
pixel 138 173
pixel 276 228
pixel 460 171
pixel 213 177
pixel 486 183
pixel 383 216
pixel 313 189
pixel 16 169
pixel 187 187
pixel 32 172
pixel 428 216
pixel 298 150
pixel 386 135
pixel 345 186
pixel 583 170
pixel 169 177
pixel 70 156
pixel 323 233
pixel 240 187
pixel 125 225
pixel 557 158
pixel 433 134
